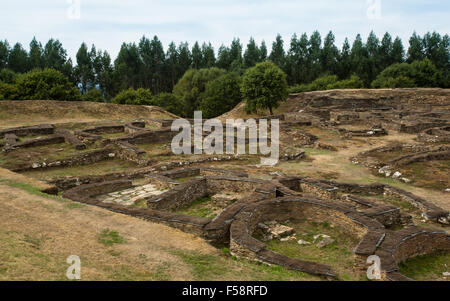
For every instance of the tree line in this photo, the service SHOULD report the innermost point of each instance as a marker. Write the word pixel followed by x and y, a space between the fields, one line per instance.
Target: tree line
pixel 309 63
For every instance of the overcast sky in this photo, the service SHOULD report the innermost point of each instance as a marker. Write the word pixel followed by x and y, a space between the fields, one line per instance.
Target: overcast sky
pixel 108 23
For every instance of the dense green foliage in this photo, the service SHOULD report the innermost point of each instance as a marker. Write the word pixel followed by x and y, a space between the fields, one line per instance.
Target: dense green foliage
pixel 169 102
pixel 263 87
pixel 221 95
pixel 93 95
pixel 192 85
pixel 134 97
pixel 329 82
pixel 45 84
pixel 417 74
pixel 310 63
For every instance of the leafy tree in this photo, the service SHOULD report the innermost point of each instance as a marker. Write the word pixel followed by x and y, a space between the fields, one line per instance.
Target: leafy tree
pixel 345 61
pixel 398 52
pixel 8 76
pixel 171 65
pixel 134 97
pixel 8 91
pixel 93 94
pixel 151 64
pixel 103 72
pixel 263 87
pixel 373 57
pixel 184 59
pixel 297 60
pixel 158 58
pixel 224 58
pixel 359 59
pixel 416 51
pixel 46 84
pixel 329 55
pixel 197 56
pixel 236 56
pixel 192 85
pixel 263 52
pixel 4 54
pixel 55 57
pixel 315 48
pixel 385 51
pixel 128 66
pixel 18 59
pixel 278 56
pixel 84 70
pixel 251 55
pixel 221 95
pixel 208 56
pixel 417 74
pixel 36 59
pixel 169 102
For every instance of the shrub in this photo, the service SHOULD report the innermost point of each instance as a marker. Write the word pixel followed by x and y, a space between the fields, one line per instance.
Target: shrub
pixel 8 92
pixel 93 95
pixel 169 102
pixel 263 86
pixel 7 76
pixel 319 84
pixel 134 97
pixel 404 75
pixel 46 84
pixel 354 82
pixel 221 95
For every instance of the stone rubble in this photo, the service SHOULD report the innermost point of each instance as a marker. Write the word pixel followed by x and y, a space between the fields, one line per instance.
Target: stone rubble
pixel 273 230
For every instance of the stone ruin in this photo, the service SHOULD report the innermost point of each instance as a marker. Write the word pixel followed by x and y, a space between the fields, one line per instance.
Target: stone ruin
pixel 159 191
pixel 260 203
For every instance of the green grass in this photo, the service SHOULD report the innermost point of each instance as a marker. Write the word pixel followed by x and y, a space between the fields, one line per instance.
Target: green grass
pixel 99 168
pixel 199 208
pixel 339 255
pixel 126 273
pixel 429 174
pixel 47 153
pixel 316 152
pixel 206 267
pixel 113 135
pixel 427 267
pixel 110 237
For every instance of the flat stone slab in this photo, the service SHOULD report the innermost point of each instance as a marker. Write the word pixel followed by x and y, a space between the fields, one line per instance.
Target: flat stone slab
pixel 129 196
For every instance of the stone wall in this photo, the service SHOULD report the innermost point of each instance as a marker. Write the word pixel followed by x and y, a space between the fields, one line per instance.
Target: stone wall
pixel 134 127
pixel 106 129
pixel 129 152
pixel 86 194
pixel 148 137
pixel 71 139
pixel 435 135
pixel 43 129
pixel 180 196
pixel 81 159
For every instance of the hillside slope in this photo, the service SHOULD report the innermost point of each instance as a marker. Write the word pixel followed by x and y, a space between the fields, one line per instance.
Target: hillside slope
pixel 296 102
pixel 30 112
